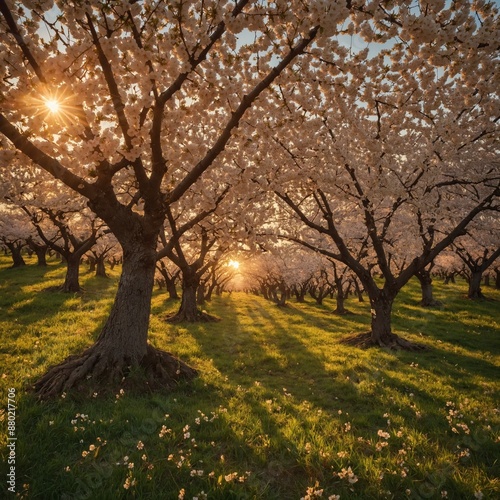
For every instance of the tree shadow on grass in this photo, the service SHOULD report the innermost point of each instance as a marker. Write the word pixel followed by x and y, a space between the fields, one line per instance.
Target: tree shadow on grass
pixel 281 358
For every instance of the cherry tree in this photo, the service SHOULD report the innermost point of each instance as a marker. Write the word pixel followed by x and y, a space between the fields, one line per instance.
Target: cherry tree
pixel 478 251
pixel 168 275
pixel 97 255
pixel 402 144
pixel 128 104
pixel 15 231
pixel 71 233
pixel 193 239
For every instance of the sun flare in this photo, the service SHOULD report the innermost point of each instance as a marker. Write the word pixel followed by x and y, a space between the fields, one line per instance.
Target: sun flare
pixel 53 105
pixel 234 264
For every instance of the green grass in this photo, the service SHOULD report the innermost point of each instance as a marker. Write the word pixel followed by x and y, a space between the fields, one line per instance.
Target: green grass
pixel 279 407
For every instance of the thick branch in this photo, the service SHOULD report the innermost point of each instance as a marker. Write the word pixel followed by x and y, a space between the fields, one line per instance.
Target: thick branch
pixel 246 102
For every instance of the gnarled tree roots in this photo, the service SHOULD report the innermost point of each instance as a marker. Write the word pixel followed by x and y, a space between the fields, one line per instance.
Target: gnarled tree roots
pixel 96 371
pixel 393 342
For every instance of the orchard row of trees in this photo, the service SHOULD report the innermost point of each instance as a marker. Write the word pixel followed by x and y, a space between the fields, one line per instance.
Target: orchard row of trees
pixel 277 275
pixel 365 131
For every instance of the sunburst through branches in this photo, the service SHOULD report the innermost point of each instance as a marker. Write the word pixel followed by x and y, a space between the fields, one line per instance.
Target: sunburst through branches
pixel 54 106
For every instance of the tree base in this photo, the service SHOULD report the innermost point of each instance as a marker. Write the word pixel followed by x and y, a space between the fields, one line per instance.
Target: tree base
pixel 95 371
pixel 198 317
pixel 342 312
pixel 62 288
pixel 394 342
pixel 431 303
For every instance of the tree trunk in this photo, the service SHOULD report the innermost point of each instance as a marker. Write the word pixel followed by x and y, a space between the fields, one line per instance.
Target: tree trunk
pixel 497 279
pixel 340 300
pixel 122 343
pixel 200 294
pixel 425 279
pixel 40 252
pixel 41 255
pixel 172 289
pixel 381 333
pixel 17 258
pixel 381 312
pixel 475 291
pixel 449 278
pixel 188 311
pixel 210 290
pixel 100 268
pixel 92 264
pixel 71 282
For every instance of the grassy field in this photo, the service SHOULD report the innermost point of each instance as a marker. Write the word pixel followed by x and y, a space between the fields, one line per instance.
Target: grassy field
pixel 280 410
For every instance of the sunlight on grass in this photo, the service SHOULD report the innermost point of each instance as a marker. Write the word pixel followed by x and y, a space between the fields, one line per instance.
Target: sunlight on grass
pixel 279 405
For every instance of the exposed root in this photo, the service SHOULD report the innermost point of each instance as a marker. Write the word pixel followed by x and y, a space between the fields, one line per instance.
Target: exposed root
pixel 98 371
pixel 198 317
pixel 394 342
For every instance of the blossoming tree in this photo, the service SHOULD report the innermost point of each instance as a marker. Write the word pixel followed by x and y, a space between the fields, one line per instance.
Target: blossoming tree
pixel 103 97
pixel 401 145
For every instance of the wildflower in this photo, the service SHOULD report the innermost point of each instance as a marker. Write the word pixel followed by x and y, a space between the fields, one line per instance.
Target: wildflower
pixel 444 494
pixel 182 492
pixel 342 454
pixel 92 447
pixel 51 422
pixel 67 468
pixel 313 492
pixel 140 445
pixel 347 426
pixel 164 431
pixel 349 474
pixel 84 453
pixel 383 434
pixel 231 477
pixel 334 497
pixel 478 494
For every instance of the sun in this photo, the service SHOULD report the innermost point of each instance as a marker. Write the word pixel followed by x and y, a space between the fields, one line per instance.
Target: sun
pixel 234 264
pixel 53 105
